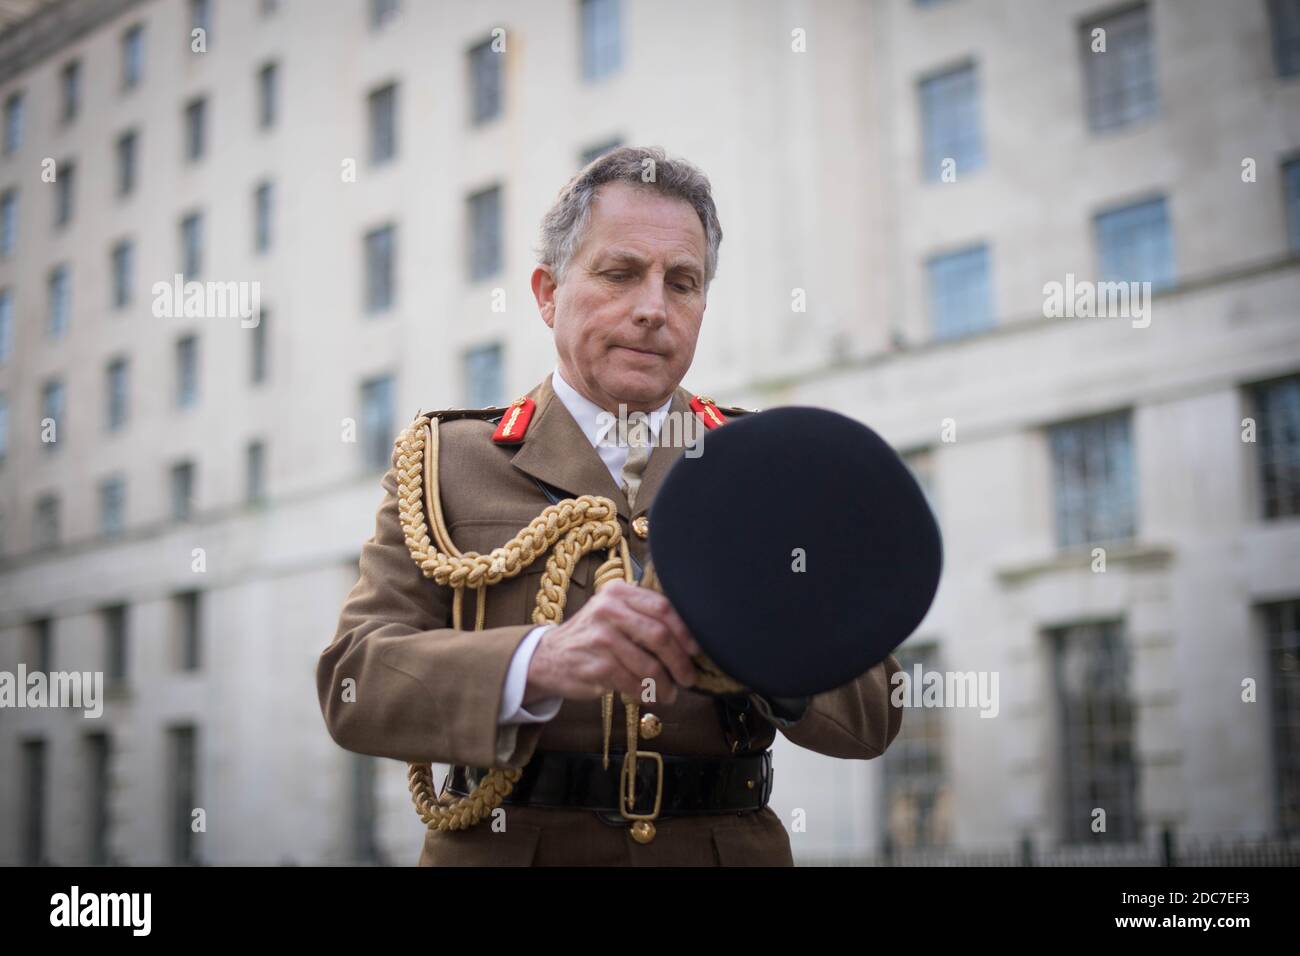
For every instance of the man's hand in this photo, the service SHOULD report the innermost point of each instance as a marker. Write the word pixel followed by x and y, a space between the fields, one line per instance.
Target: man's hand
pixel 621 636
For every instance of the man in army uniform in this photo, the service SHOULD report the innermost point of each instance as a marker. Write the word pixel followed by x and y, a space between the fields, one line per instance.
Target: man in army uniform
pixel 626 260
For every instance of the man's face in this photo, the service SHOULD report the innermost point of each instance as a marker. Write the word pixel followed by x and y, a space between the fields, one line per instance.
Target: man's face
pixel 627 315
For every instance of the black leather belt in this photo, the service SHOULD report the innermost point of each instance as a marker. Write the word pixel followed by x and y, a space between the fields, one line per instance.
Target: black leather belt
pixel 679 785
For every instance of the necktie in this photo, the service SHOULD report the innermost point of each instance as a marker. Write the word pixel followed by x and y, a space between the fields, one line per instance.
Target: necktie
pixel 637 438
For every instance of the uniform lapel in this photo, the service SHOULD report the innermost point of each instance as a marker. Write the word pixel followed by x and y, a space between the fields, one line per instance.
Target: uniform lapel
pixel 557 452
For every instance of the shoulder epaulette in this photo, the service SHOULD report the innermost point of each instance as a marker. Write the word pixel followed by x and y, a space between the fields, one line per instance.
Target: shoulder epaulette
pixel 514 422
pixel 713 414
pixel 451 414
pixel 511 420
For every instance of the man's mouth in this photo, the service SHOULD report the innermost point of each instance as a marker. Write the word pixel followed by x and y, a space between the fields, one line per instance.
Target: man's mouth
pixel 632 348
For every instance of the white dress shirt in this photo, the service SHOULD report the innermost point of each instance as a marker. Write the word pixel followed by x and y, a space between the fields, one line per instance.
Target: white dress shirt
pixel 594 422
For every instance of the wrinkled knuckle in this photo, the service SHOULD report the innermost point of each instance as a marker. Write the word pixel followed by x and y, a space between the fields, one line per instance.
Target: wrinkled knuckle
pixel 659 633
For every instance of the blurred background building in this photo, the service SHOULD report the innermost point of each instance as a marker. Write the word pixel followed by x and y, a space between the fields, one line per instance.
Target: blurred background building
pixel 898 181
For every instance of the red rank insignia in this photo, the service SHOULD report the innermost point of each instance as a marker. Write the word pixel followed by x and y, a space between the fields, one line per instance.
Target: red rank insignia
pixel 514 423
pixel 707 411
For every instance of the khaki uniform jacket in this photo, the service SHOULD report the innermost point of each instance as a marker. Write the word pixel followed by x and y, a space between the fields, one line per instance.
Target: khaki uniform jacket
pixel 429 694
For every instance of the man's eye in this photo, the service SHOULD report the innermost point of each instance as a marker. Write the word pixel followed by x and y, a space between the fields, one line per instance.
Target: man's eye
pixel 684 286
pixel 616 276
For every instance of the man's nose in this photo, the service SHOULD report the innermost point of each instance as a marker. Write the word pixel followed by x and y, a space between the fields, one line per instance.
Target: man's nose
pixel 652 302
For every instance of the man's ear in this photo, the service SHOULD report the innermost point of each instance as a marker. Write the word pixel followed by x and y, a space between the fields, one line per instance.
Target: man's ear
pixel 544 287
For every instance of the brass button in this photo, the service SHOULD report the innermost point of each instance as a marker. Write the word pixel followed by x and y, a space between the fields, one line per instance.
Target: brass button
pixel 750 784
pixel 643 831
pixel 641 526
pixel 650 726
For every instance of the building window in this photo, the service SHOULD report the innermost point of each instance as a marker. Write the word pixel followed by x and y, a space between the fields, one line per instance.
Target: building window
pixel 1282 633
pixel 33 818
pixel 46 532
pixel 126 163
pixel 1097 720
pixel 6 324
pixel 117 404
pixel 1277 418
pixel 182 776
pixel 70 86
pixel 195 119
pixel 1291 186
pixel 65 192
pixel 270 7
pixel 201 17
pixel 187 371
pixel 122 256
pixel 486 69
pixel 602 42
pixel 39 653
pixel 950 122
pixel 484 385
pixel 365 810
pixel 960 293
pixel 263 198
pixel 258 367
pixel 383 12
pixel 485 240
pixel 593 153
pixel 115 644
pixel 1120 82
pixel 917 807
pixel 267 88
pixel 52 407
pixel 112 506
pixel 1284 17
pixel 380 268
pixel 1092 463
pixel 377 421
pixel 382 107
pixel 1134 244
pixel 255 473
pixel 132 56
pixel 8 222
pixel 97 816
pixel 186 608
pixel 182 490
pixel 13 133
pixel 192 245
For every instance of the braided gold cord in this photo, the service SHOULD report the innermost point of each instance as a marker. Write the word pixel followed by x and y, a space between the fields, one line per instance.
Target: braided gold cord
pixel 570 529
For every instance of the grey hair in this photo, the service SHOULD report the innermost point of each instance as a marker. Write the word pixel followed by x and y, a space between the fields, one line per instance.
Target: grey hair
pixel 565 224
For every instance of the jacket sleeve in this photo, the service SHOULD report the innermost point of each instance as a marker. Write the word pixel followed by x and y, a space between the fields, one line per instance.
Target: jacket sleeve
pixel 398 682
pixel 857 721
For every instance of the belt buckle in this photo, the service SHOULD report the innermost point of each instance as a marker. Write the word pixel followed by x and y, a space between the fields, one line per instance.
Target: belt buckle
pixel 628 774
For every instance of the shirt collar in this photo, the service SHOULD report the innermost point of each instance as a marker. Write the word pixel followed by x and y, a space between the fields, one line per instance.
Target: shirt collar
pixel 591 418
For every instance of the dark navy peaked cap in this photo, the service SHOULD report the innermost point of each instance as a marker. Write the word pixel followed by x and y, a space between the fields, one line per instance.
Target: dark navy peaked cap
pixel 797 547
